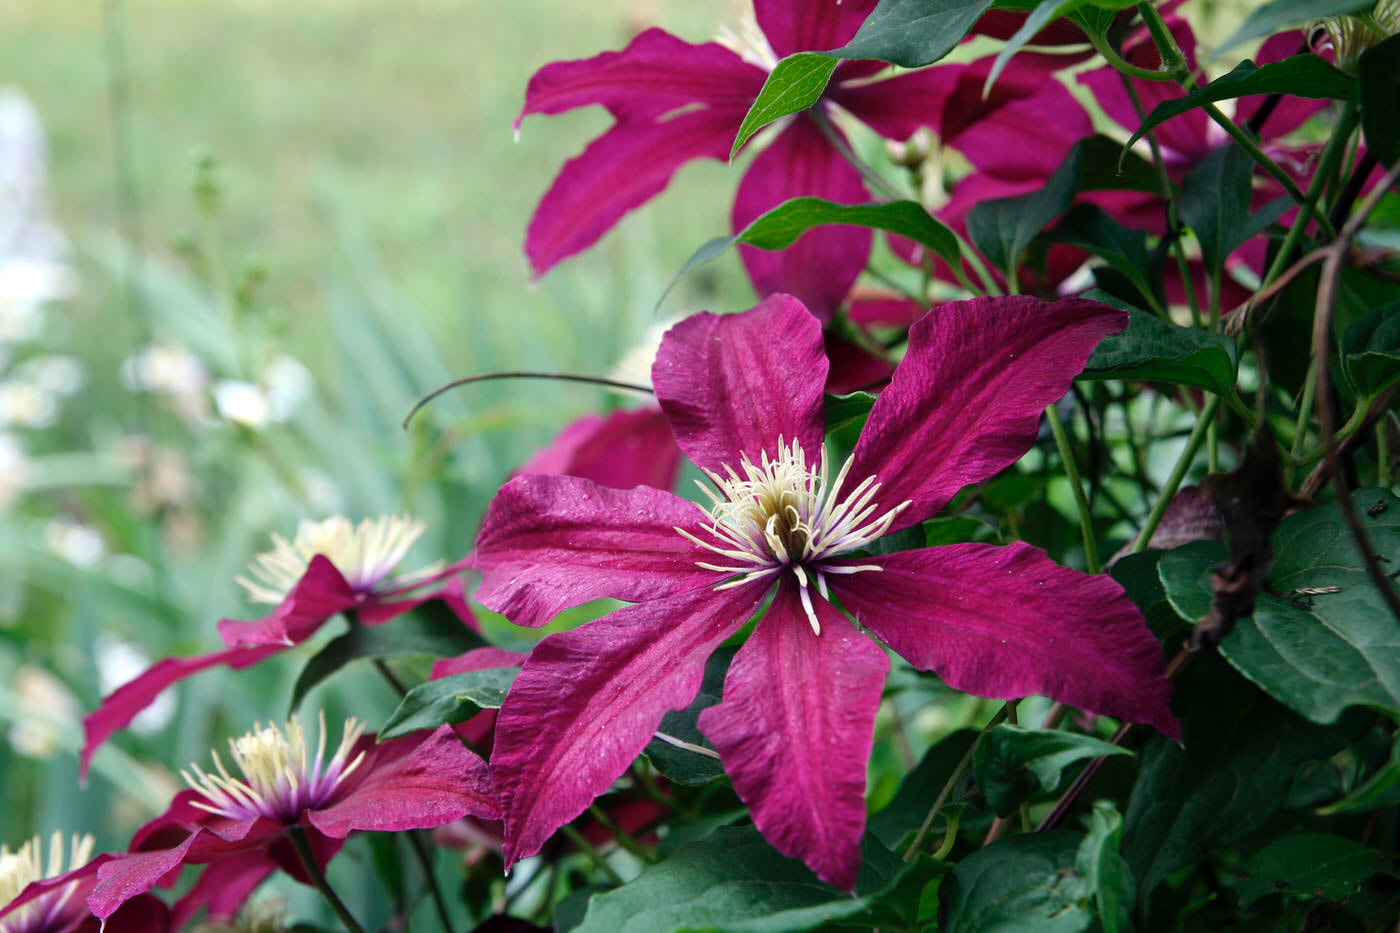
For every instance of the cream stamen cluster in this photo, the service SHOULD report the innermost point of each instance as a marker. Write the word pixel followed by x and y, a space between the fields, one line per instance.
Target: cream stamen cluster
pixel 281 778
pixel 365 555
pixel 19 869
pixel 780 514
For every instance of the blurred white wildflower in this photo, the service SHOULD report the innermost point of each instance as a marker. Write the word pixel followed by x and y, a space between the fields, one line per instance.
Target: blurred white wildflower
pixel 81 545
pixel 60 375
pixel 287 383
pixel 13 466
pixel 26 405
pixel 165 369
pixel 635 364
pixel 118 663
pixel 242 403
pixel 45 711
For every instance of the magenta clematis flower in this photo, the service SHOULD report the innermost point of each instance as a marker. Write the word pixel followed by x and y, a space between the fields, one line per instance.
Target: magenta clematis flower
pixel 35 898
pixel 238 825
pixel 673 102
pixel 329 568
pixel 743 394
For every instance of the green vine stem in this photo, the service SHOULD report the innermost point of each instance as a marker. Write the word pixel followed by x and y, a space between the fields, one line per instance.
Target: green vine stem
pixel 581 841
pixel 1076 485
pixel 958 770
pixel 1183 463
pixel 318 878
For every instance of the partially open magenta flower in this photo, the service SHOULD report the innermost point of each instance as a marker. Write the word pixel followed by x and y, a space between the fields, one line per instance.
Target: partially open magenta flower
pixel 237 824
pixel 332 566
pixel 743 394
pixel 40 897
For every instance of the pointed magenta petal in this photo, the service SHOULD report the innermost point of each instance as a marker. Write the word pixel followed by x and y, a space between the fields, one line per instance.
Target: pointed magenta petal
pixel 733 384
pixel 619 171
pixel 420 781
pixel 375 611
pixel 222 889
pixel 121 879
pixel 82 878
pixel 478 659
pixel 551 542
pixel 897 107
pixel 822 265
pixel 320 593
pixel 656 74
pixel 622 450
pixel 794 731
pixel 810 25
pixel 967 397
pixel 123 705
pixel 588 701
pixel 1006 622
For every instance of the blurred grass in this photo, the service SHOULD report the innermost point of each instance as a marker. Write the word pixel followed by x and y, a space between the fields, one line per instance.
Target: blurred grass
pixel 366 166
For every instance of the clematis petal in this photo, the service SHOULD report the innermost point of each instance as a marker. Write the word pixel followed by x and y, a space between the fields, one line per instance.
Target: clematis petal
pixel 124 703
pixel 551 542
pixel 223 887
pixel 733 384
pixel 822 265
pixel 452 594
pixel 128 876
pixel 794 731
pixel 1007 622
pixel 655 74
pixel 810 25
pixel 619 171
pixel 896 107
pixel 1289 112
pixel 587 701
pixel 420 781
pixel 321 592
pixel 622 450
pixel 967 397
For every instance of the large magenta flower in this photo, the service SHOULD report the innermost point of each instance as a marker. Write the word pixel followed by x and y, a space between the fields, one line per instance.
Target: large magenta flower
pixel 238 825
pixel 743 394
pixel 674 102
pixel 330 567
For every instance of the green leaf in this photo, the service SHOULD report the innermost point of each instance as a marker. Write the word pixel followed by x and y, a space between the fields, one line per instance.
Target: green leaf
pixel 1309 865
pixel 1153 350
pixel 1215 204
pixel 1025 884
pixel 1381 789
pixel 1326 640
pixel 843 411
pixel 794 84
pixel 449 700
pixel 733 880
pixel 1010 762
pixel 1300 76
pixel 1003 227
pixel 1137 574
pixel 780 228
pixel 1045 12
pixel 679 764
pixel 1271 17
pixel 1090 227
pixel 1185 574
pixel 1104 872
pixel 431 630
pixel 919 789
pixel 1379 72
pixel 1240 756
pixel 1371 350
pixel 913 33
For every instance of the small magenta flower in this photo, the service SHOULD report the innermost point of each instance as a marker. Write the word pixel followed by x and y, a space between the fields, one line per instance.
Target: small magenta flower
pixel 35 898
pixel 330 567
pixel 237 825
pixel 743 395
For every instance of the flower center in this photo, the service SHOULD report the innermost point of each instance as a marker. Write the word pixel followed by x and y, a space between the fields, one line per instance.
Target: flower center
pixel 19 869
pixel 281 778
pixel 781 514
pixel 364 555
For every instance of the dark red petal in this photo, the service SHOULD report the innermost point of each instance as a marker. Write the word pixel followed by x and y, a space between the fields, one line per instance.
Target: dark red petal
pixel 822 265
pixel 320 593
pixel 734 384
pixel 622 450
pixel 967 397
pixel 550 542
pixel 1006 622
pixel 587 701
pixel 897 107
pixel 223 887
pixel 810 25
pixel 794 731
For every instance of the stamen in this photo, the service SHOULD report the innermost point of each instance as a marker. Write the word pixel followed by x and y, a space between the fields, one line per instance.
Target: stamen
pixel 21 868
pixel 365 554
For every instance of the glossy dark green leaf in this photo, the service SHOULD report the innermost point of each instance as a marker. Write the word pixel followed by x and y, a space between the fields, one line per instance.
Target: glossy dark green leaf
pixel 1137 574
pixel 1090 227
pixel 1154 350
pixel 1321 639
pixel 1300 76
pixel 781 226
pixel 1185 573
pixel 1104 872
pixel 1002 228
pixel 913 33
pixel 449 700
pixel 733 880
pixel 1381 789
pixel 1024 884
pixel 794 84
pixel 1371 350
pixel 1012 763
pixel 1308 865
pixel 1215 204
pixel 430 630
pixel 683 765
pixel 1239 759
pixel 842 411
pixel 1379 73
pixel 1271 17
pixel 1045 12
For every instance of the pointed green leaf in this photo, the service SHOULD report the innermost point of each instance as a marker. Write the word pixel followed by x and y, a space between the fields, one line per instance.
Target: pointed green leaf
pixel 1215 204
pixel 1011 763
pixel 794 84
pixel 1104 872
pixel 449 700
pixel 683 765
pixel 1024 884
pixel 1154 350
pixel 1271 17
pixel 1312 865
pixel 1379 73
pixel 1371 350
pixel 1092 228
pixel 1046 12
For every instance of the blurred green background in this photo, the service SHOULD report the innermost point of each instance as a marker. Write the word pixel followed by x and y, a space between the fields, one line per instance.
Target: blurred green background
pixel 321 200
